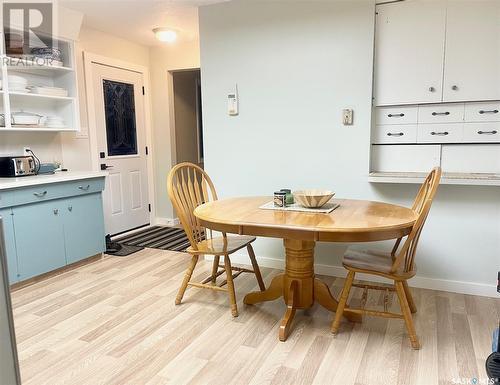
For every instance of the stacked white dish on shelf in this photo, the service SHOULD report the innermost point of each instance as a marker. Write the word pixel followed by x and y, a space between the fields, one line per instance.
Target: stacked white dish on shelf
pixel 49 91
pixel 54 122
pixel 17 83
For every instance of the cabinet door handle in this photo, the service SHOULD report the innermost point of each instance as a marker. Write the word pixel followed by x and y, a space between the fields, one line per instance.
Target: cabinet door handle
pixel 440 133
pixel 432 89
pixel 488 112
pixel 84 188
pixel 454 88
pixel 395 134
pixel 488 132
pixel 40 194
pixel 396 115
pixel 440 113
pixel 56 211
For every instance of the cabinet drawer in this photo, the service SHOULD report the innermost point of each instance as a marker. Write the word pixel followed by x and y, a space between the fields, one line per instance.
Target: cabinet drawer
pixel 482 112
pixel 440 133
pixel 85 186
pixel 57 190
pixel 482 132
pixel 444 113
pixel 35 194
pixel 395 133
pixel 6 198
pixel 396 115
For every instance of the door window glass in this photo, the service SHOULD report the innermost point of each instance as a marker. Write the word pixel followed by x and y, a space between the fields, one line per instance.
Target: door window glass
pixel 119 107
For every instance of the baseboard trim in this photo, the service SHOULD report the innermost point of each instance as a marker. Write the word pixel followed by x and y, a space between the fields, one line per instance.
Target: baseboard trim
pixel 460 287
pixel 167 221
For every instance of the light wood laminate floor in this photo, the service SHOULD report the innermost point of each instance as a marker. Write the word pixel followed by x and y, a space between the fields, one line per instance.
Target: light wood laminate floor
pixel 114 322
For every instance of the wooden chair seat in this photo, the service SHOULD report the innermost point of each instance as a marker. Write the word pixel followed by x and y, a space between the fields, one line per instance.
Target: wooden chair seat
pixel 374 261
pixel 221 245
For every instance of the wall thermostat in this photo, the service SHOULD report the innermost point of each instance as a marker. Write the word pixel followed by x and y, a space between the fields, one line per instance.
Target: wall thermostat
pixel 232 103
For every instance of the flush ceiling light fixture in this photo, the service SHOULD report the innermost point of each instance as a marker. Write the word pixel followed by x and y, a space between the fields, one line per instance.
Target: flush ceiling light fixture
pixel 165 34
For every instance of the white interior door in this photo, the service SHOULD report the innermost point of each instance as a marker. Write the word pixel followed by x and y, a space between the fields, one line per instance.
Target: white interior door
pixel 121 139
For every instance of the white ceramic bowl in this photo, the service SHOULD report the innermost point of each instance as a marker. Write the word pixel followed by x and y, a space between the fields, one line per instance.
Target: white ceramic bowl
pixel 313 198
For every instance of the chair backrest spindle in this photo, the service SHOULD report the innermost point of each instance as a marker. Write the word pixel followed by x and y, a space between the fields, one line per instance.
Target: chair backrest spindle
pixel 188 187
pixel 422 205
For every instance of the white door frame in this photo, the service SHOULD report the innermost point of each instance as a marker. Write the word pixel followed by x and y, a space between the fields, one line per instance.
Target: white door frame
pixel 88 60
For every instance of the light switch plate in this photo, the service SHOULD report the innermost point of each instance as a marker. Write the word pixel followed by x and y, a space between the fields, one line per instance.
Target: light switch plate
pixel 347 117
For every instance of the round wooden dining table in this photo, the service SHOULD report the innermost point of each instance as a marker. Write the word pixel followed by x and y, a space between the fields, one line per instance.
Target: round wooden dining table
pixel 352 221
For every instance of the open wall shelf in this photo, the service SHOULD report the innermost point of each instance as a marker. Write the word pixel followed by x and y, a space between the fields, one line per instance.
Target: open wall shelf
pixel 45 101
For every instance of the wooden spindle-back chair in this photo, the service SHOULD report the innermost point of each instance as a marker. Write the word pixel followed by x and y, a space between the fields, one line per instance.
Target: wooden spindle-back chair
pixel 188 187
pixel 398 265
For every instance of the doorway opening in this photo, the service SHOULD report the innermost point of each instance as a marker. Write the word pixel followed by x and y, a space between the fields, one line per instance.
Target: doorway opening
pixel 188 125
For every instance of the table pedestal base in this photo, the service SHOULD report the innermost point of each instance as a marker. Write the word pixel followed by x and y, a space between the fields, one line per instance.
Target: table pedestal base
pixel 298 286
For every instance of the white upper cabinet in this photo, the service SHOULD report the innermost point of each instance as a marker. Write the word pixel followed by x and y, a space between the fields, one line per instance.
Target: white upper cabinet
pixel 430 51
pixel 409 47
pixel 472 60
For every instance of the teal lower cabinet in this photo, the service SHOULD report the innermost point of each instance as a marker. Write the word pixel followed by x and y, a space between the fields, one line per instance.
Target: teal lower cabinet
pixel 52 226
pixel 10 243
pixel 39 238
pixel 83 234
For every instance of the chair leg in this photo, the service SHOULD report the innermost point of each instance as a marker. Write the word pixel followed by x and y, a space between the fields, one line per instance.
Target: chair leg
pixel 215 268
pixel 187 277
pixel 343 300
pixel 230 286
pixel 409 297
pixel 255 266
pixel 405 308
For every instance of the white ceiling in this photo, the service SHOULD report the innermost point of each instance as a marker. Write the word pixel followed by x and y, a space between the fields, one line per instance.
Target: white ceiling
pixel 134 19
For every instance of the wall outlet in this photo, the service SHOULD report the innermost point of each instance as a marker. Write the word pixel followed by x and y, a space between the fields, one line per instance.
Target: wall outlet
pixel 347 117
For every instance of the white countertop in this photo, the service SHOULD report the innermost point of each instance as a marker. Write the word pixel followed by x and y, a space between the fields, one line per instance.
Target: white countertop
pixel 59 176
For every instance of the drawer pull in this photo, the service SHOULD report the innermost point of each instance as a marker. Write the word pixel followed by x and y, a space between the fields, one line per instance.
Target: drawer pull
pixel 56 211
pixel 40 195
pixel 84 188
pixel 432 89
pixel 396 115
pixel 488 132
pixel 70 208
pixel 395 133
pixel 488 112
pixel 440 113
pixel 440 133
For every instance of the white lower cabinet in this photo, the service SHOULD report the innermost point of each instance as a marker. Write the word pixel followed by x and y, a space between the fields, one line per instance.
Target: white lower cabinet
pixel 471 158
pixel 405 158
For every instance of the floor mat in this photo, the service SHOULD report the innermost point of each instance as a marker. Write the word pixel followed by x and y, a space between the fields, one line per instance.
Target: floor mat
pixel 125 250
pixel 157 237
